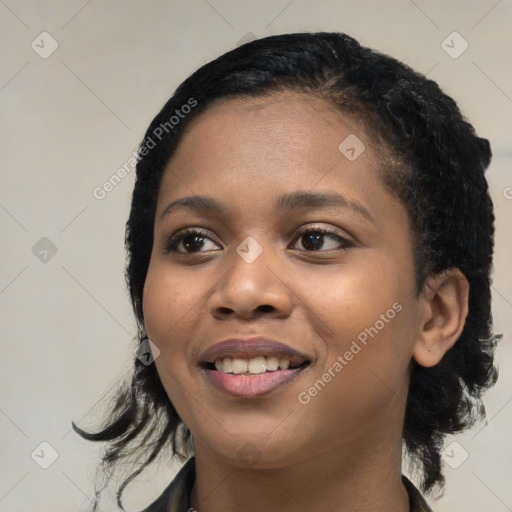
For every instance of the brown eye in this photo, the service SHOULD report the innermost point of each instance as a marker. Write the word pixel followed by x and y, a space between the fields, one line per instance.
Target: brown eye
pixel 313 239
pixel 192 240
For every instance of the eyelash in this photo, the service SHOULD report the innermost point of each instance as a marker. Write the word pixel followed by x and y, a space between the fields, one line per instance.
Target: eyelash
pixel 173 241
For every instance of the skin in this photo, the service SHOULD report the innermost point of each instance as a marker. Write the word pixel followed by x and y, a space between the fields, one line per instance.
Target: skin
pixel 342 450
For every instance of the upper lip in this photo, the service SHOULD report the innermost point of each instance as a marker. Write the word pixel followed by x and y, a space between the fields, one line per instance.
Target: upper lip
pixel 247 348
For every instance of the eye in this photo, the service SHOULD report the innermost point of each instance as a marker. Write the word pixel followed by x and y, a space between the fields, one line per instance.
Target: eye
pixel 191 239
pixel 314 238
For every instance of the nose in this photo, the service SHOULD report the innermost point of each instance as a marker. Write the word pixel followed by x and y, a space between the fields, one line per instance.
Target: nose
pixel 250 290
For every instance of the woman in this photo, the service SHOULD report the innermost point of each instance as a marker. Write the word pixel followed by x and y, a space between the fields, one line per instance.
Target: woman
pixel 309 243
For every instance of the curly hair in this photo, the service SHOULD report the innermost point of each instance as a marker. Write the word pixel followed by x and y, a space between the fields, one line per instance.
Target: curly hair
pixel 433 162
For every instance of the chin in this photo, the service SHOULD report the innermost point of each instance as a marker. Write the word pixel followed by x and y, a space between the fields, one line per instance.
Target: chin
pixel 251 450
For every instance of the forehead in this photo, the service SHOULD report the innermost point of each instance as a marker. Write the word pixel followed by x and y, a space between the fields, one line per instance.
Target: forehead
pixel 272 135
pixel 292 117
pixel 249 153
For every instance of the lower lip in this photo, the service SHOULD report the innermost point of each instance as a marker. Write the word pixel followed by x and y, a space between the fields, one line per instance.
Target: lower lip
pixel 250 386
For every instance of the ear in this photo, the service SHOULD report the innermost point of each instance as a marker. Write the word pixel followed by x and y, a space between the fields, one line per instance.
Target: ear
pixel 445 300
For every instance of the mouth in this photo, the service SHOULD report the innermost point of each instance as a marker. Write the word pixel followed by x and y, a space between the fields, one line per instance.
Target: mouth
pixel 252 367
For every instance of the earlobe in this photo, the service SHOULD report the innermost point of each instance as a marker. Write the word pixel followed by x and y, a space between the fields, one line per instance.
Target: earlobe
pixel 445 300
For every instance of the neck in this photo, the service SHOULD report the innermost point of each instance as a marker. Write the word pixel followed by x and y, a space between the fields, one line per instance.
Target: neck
pixel 368 478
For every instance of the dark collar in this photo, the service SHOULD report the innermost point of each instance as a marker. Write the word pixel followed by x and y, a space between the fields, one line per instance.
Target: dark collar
pixel 176 497
pixel 417 501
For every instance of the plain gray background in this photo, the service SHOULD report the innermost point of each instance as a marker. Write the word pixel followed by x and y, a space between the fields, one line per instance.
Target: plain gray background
pixel 71 118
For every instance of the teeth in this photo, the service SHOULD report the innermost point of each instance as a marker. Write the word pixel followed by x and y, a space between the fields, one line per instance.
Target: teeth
pixel 227 365
pixel 253 366
pixel 272 363
pixel 257 365
pixel 239 366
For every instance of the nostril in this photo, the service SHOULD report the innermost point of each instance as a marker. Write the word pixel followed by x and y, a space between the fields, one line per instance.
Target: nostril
pixel 265 308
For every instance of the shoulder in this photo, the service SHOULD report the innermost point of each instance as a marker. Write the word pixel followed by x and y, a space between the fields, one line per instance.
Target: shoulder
pixel 176 497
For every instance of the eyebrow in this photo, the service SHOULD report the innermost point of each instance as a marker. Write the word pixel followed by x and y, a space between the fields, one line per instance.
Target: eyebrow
pixel 204 205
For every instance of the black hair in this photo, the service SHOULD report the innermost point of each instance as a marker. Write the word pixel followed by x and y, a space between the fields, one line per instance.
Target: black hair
pixel 434 164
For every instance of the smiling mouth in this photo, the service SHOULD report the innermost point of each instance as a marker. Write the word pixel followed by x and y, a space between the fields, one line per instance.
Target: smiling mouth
pixel 251 367
pixel 252 377
pixel 254 366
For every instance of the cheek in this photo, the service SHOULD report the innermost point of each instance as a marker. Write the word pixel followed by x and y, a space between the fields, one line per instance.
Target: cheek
pixel 156 304
pixel 352 300
pixel 370 315
pixel 168 309
pixel 166 300
pixel 168 317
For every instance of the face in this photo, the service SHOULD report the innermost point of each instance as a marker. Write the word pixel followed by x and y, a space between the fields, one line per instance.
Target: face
pixel 298 243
